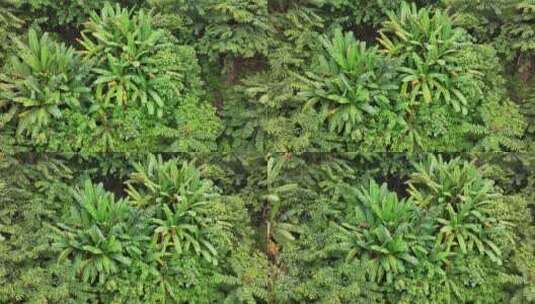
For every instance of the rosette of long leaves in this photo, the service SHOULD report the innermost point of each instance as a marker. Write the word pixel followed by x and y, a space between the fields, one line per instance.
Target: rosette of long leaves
pixel 43 78
pixel 430 48
pixel 98 235
pixel 355 86
pixel 121 46
pixel 181 206
pixel 461 200
pixel 378 231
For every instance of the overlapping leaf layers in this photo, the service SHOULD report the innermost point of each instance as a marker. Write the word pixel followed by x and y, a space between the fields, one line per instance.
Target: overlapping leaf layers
pixel 133 87
pixel 427 88
pixel 162 243
pixel 447 237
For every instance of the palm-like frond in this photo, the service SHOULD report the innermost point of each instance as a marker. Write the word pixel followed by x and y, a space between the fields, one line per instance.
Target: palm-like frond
pixel 97 235
pixel 43 78
pixel 180 204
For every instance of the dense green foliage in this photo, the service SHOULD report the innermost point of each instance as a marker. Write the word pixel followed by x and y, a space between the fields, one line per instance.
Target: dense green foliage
pixel 309 228
pixel 129 86
pixel 30 188
pixel 156 245
pixel 268 76
pixel 267 151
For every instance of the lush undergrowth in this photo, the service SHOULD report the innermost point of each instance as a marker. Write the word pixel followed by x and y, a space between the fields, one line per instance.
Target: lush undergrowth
pixel 285 228
pixel 266 76
pixel 267 151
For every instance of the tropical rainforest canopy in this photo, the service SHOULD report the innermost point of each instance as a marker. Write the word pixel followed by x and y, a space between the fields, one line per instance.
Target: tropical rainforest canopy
pixel 267 151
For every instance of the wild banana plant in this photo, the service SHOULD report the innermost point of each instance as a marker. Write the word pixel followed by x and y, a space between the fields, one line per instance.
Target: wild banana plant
pixel 42 80
pixel 180 205
pixel 451 94
pixel 378 232
pixel 461 201
pixel 355 86
pixel 429 46
pixel 98 236
pixel 120 45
